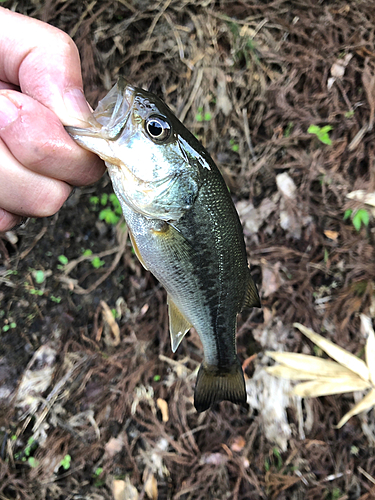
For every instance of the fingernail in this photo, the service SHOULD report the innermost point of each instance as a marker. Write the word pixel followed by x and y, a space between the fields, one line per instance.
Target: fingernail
pixel 76 104
pixel 8 111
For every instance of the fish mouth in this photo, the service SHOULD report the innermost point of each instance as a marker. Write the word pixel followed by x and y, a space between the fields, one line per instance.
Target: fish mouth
pixel 109 118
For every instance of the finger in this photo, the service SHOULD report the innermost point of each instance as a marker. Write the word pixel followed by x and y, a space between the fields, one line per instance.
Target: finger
pixel 37 139
pixel 33 194
pixel 8 220
pixel 44 62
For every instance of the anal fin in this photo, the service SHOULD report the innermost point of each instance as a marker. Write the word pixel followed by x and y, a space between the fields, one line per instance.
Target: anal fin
pixel 178 324
pixel 251 295
pixel 219 384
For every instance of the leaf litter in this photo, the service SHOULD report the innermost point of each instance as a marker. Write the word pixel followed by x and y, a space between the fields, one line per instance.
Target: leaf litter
pixel 260 73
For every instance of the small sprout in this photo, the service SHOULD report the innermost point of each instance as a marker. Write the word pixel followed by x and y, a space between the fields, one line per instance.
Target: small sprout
pixel 87 253
pixel 361 217
pixel 109 216
pixel 65 462
pixel 288 129
pixel 33 462
pixel 39 276
pixel 234 146
pixel 321 133
pixel 157 378
pixel 55 299
pixel 94 200
pixel 115 313
pixel 201 116
pixel 98 471
pixel 104 199
pixel 63 260
pixel 13 437
pixel 347 214
pixel 349 114
pixel 97 262
pixel 326 255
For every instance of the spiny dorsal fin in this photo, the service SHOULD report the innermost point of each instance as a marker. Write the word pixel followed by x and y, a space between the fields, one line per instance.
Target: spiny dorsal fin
pixel 178 324
pixel 217 384
pixel 251 295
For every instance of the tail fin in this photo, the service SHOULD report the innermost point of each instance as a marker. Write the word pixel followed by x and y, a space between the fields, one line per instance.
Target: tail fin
pixel 218 384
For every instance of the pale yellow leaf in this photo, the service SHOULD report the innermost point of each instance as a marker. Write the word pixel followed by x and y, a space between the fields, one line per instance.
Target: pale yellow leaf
pixel 361 195
pixel 124 490
pixel 281 371
pixel 310 364
pixel 366 324
pixel 365 404
pixel 151 487
pixel 342 356
pixel 316 388
pixel 163 407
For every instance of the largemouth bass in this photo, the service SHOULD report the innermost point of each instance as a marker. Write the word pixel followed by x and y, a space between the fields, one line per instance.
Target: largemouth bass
pixel 183 226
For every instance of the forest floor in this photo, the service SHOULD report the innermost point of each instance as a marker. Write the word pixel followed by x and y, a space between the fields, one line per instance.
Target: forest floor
pixel 93 403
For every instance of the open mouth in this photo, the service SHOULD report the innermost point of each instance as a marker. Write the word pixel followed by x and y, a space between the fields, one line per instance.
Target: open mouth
pixel 111 115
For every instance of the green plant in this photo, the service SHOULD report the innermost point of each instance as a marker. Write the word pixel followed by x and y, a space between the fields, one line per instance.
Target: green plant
pixel 97 262
pixel 234 146
pixel 202 116
pixel 65 462
pixel 9 326
pixel 360 217
pixel 63 261
pixel 39 276
pixel 111 213
pixel 321 133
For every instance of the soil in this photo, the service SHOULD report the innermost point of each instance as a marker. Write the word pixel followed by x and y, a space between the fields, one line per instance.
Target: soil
pixel 93 403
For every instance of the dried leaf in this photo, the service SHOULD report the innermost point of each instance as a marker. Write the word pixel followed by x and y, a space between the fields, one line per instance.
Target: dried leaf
pixel 332 235
pixel 365 404
pixel 363 196
pixel 325 387
pixel 238 444
pixel 163 407
pixel 366 324
pixel 312 365
pixel 342 356
pixel 113 446
pixel 151 487
pixel 124 490
pixel 111 322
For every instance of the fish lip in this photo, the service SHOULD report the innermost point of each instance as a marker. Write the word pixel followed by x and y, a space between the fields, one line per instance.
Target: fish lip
pixel 104 125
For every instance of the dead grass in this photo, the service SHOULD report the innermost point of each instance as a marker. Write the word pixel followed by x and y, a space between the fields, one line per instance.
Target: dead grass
pixel 260 71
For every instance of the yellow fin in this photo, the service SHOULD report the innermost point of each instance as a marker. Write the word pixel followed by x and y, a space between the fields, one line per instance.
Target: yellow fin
pixel 178 324
pixel 135 247
pixel 251 296
pixel 216 384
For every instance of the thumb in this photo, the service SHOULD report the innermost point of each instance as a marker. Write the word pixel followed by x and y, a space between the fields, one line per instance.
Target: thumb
pixel 44 62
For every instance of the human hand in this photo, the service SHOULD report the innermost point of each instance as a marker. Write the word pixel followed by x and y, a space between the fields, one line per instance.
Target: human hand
pixel 40 91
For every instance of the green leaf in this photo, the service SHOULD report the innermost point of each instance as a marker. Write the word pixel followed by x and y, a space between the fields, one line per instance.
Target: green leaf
pixel 362 216
pixel 63 260
pixel 347 214
pixel 94 200
pixel 39 276
pixel 97 262
pixel 65 462
pixel 87 252
pixel 313 129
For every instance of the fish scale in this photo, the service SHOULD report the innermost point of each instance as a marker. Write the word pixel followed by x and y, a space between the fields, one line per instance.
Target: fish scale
pixel 183 226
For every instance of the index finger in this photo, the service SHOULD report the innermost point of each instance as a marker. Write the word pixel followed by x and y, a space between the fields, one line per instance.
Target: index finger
pixel 44 62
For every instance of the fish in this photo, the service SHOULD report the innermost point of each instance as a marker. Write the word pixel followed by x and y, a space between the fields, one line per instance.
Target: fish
pixel 183 226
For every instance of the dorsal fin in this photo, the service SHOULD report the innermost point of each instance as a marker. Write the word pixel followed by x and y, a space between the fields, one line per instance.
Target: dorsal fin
pixel 178 324
pixel 251 295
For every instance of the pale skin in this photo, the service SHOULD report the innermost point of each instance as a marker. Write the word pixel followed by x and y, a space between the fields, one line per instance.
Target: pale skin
pixel 40 91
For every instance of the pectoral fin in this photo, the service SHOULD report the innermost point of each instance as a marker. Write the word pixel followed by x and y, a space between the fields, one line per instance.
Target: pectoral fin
pixel 251 295
pixel 178 325
pixel 135 248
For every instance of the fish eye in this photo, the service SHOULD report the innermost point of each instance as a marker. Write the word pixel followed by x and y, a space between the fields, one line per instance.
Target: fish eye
pixel 158 129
